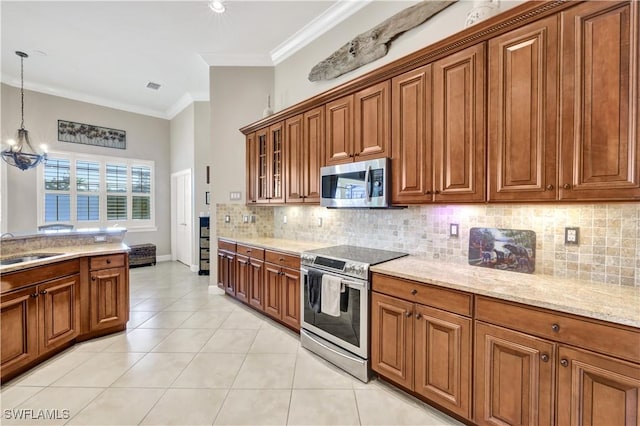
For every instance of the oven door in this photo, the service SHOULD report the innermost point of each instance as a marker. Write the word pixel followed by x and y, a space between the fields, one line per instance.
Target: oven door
pixel 350 329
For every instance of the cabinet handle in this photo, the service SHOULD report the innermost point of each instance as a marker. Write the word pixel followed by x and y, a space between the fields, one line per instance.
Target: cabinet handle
pixel 414 292
pixel 564 362
pixel 34 295
pixel 281 259
pixel 248 251
pixel 43 291
pixel 418 315
pixel 407 314
pixel 566 186
pixel 544 357
pixel 555 328
pixel 253 201
pixel 549 187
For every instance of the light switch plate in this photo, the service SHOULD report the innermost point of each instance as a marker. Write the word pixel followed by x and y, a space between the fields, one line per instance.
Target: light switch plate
pixel 235 195
pixel 454 230
pixel 571 236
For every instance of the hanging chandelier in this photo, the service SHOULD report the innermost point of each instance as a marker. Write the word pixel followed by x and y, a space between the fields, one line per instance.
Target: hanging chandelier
pixel 20 153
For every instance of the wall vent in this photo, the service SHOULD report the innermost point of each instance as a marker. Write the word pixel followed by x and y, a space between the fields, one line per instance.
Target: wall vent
pixel 152 85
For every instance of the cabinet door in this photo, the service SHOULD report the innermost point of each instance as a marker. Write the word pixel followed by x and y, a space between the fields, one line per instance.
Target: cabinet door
pixel 339 134
pixel 222 271
pixel 272 291
pixel 597 390
pixel 294 159
pixel 59 309
pixel 19 323
pixel 459 126
pixel 291 297
pixel 411 162
pixel 242 278
pixel 600 121
pixel 443 359
pixel 263 168
pixel 108 298
pixel 372 135
pixel 392 339
pixel 229 273
pixel 523 71
pixel 256 283
pixel 313 151
pixel 252 169
pixel 277 161
pixel 513 377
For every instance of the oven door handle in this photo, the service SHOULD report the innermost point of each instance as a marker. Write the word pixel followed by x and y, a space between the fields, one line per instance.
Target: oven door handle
pixel 348 283
pixel 358 360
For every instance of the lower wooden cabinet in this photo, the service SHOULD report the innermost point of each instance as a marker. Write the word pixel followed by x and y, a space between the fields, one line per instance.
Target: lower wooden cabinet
pixel 256 283
pixel 109 292
pixel 19 323
pixel 242 278
pixel 226 271
pixel 59 312
pixel 272 291
pixel 282 294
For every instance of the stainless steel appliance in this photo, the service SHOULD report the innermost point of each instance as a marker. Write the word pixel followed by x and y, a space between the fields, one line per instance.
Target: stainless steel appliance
pixel 344 339
pixel 360 184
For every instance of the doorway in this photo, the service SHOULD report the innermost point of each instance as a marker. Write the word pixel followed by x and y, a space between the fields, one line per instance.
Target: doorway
pixel 181 217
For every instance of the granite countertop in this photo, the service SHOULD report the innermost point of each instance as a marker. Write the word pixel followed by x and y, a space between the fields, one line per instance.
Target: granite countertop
pixel 287 246
pixel 608 302
pixel 63 253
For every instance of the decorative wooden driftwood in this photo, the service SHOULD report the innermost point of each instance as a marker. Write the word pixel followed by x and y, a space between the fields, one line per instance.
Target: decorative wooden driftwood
pixel 374 44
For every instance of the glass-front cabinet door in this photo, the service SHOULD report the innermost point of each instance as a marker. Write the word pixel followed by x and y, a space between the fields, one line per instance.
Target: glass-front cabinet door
pixel 262 162
pixel 277 178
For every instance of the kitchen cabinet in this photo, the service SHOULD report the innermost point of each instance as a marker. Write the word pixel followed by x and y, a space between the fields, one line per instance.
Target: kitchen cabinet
pixel 304 145
pixel 242 275
pixel 226 266
pixel 19 322
pixel 249 282
pixel 252 168
pixel 109 292
pixel 425 349
pixel 269 164
pixel 600 118
pixel 412 161
pixel 282 288
pixel 459 126
pixel 358 126
pixel 523 122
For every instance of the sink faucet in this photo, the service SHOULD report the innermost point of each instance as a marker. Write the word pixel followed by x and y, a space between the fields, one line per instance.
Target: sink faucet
pixel 6 234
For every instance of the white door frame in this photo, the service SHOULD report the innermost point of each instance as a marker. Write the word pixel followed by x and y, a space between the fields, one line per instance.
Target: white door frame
pixel 174 256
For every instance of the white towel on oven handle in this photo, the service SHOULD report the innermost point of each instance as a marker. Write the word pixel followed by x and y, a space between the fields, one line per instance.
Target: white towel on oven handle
pixel 330 299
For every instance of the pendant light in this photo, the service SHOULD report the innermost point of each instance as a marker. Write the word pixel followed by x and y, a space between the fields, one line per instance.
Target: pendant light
pixel 20 153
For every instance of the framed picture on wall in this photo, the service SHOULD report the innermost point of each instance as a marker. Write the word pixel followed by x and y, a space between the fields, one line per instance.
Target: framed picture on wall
pixel 207 197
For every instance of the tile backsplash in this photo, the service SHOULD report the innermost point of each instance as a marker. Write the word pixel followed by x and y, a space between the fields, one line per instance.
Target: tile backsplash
pixel 609 233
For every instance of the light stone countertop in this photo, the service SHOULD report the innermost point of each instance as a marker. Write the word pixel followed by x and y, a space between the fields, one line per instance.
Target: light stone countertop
pixel 63 253
pixel 293 247
pixel 608 302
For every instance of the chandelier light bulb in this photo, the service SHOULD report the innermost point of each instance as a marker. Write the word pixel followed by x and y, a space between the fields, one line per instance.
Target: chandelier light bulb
pixel 217 6
pixel 44 147
pixel 11 142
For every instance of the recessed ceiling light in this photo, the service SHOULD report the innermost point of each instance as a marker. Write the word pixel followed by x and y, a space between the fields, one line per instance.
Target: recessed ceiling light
pixel 217 6
pixel 152 85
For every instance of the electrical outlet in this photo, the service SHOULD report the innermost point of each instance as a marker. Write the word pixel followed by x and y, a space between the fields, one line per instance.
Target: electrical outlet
pixel 284 219
pixel 245 219
pixel 571 236
pixel 227 218
pixel 453 230
pixel 319 222
pixel 252 218
pixel 100 238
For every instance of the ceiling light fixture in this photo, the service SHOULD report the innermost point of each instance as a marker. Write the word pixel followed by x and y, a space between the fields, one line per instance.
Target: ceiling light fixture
pixel 217 6
pixel 15 154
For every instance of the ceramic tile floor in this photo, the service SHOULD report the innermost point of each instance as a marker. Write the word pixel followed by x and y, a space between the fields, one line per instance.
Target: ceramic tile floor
pixel 193 356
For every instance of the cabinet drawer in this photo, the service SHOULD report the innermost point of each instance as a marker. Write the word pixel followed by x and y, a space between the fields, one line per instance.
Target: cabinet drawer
pixel 226 245
pixel 425 294
pixel 282 259
pixel 607 338
pixel 253 252
pixel 14 280
pixel 108 261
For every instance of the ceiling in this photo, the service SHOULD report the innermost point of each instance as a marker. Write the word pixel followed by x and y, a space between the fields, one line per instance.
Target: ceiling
pixel 105 52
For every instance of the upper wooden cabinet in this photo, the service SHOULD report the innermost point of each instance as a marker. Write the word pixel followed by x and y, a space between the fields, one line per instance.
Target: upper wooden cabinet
pixel 358 126
pixel 523 97
pixel 304 146
pixel 600 120
pixel 269 164
pixel 252 169
pixel 459 126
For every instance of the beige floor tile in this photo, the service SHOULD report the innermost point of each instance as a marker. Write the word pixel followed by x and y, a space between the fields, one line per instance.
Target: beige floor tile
pixel 154 304
pixel 155 370
pixel 254 407
pixel 50 371
pixel 210 370
pixel 99 344
pixel 230 341
pixel 118 407
pixel 272 339
pixel 186 407
pixel 185 305
pixel 220 304
pixel 323 407
pixel 381 407
pixel 136 318
pixel 139 340
pixel 61 404
pixel 313 372
pixel 100 371
pixel 206 319
pixel 13 395
pixel 184 340
pixel 166 320
pixel 266 371
pixel 242 320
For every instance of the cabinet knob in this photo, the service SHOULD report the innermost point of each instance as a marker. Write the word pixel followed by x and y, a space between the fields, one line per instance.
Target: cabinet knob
pixel 43 291
pixel 544 357
pixel 549 187
pixel 437 191
pixel 93 278
pixel 407 314
pixel 253 201
pixel 108 261
pixel 564 362
pixel 414 292
pixel 34 295
pixel 555 328
pixel 428 192
pixel 281 259
pixel 357 154
pixel 566 186
pixel 248 251
pixel 418 315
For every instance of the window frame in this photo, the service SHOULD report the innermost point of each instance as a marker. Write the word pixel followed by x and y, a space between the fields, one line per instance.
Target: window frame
pixel 73 157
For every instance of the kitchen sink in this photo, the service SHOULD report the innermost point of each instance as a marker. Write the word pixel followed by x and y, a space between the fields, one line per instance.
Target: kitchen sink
pixel 25 258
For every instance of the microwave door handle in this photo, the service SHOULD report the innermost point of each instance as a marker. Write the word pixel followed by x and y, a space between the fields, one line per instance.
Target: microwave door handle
pixel 367 184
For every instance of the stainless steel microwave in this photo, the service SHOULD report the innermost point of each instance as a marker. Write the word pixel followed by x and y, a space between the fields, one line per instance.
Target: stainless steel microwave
pixel 356 185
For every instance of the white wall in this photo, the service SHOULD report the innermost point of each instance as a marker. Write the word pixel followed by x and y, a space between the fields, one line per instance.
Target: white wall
pixel 147 138
pixel 182 131
pixel 291 83
pixel 202 152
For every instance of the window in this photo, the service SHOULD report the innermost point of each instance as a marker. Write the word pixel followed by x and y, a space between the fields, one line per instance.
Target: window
pixel 105 191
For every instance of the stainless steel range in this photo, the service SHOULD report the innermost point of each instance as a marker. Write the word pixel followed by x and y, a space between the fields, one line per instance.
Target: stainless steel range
pixel 335 304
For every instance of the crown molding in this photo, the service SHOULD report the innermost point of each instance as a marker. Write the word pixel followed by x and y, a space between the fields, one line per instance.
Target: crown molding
pixel 331 17
pixel 236 59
